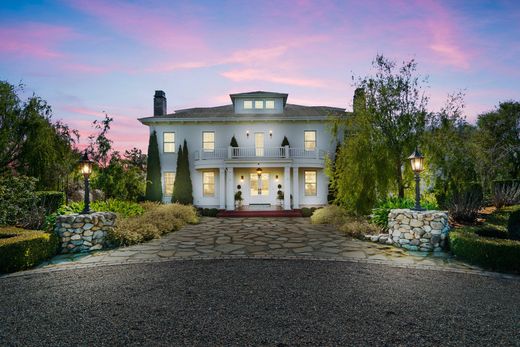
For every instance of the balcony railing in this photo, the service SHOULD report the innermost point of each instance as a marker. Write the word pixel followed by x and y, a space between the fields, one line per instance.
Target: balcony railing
pixel 258 153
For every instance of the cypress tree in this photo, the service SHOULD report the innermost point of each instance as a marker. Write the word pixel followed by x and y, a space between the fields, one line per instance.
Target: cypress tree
pixel 177 184
pixel 153 171
pixel 285 142
pixel 188 197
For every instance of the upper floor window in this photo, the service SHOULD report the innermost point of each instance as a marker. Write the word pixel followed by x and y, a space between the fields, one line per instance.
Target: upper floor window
pixel 309 139
pixel 169 142
pixel 208 141
pixel 259 104
pixel 269 104
pixel 248 104
pixel 169 179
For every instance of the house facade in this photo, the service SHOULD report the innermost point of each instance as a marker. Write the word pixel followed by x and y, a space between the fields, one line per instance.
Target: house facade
pixel 264 170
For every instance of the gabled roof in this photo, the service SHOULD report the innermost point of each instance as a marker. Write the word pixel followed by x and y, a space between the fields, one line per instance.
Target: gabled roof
pixel 259 94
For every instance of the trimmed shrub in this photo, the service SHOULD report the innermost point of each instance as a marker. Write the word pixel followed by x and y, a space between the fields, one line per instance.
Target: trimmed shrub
pixel 121 207
pixel 50 201
pixel 21 249
pixel 285 142
pixel 307 212
pixel 208 212
pixel 513 225
pixel 17 199
pixel 330 214
pixel 233 142
pixel 493 253
pixel 491 231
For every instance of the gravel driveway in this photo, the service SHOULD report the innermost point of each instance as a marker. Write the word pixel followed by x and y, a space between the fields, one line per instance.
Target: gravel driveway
pixel 258 302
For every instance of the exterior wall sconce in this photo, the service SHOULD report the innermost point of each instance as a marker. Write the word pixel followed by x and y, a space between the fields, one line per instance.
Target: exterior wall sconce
pixel 276 178
pixel 270 133
pixel 417 162
pixel 247 133
pixel 241 178
pixel 259 171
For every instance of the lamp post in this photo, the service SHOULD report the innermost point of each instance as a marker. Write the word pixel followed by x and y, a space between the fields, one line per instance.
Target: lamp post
pixel 417 162
pixel 86 170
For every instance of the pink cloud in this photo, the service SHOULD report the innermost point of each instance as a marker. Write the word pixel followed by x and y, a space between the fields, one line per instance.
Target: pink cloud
pixel 241 75
pixel 34 39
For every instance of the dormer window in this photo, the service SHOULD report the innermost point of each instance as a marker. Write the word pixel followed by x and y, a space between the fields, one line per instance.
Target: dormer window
pixel 269 104
pixel 248 104
pixel 259 104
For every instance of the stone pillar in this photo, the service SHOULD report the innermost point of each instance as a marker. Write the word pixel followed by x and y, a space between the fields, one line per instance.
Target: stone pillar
pixel 287 188
pixel 84 232
pixel 418 230
pixel 230 196
pixel 296 191
pixel 222 188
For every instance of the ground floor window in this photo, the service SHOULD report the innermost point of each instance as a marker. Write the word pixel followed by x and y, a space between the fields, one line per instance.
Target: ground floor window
pixel 169 179
pixel 208 183
pixel 310 183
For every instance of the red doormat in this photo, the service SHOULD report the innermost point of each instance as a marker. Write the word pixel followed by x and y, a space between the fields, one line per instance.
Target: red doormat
pixel 266 214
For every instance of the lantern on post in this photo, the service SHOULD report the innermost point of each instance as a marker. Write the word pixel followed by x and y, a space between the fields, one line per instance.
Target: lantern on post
pixel 86 169
pixel 417 163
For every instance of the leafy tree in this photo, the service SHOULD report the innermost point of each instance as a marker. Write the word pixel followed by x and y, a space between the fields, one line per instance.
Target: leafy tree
pixel 153 171
pixel 498 143
pixel 233 142
pixel 387 123
pixel 30 143
pixel 449 150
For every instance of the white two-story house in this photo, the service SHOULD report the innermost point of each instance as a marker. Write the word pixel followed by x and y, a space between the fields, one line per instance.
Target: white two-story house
pixel 260 167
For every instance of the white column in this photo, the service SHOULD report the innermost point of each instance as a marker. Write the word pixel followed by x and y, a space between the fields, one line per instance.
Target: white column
pixel 296 188
pixel 222 188
pixel 287 186
pixel 230 197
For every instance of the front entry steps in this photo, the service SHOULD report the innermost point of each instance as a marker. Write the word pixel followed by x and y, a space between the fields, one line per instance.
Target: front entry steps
pixel 260 213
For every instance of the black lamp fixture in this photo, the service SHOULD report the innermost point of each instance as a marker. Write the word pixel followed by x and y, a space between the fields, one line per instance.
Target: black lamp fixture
pixel 86 169
pixel 417 162
pixel 259 171
pixel 270 133
pixel 247 133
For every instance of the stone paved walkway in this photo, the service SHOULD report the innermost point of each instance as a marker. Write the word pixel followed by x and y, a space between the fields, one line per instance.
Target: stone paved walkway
pixel 264 238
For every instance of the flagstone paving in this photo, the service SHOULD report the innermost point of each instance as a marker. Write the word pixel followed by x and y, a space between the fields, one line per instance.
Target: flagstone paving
pixel 265 238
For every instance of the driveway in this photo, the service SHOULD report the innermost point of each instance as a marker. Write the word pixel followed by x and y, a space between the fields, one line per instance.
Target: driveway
pixel 260 238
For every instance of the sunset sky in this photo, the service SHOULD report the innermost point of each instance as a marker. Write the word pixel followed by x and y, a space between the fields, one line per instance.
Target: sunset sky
pixel 87 56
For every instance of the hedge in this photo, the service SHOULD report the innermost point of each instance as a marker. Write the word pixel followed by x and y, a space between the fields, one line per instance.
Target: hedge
pixel 51 201
pixel 496 254
pixel 21 249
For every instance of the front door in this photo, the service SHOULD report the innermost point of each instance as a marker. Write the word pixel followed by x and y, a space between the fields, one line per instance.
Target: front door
pixel 259 191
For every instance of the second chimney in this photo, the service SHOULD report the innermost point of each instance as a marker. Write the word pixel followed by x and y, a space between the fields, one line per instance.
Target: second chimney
pixel 159 103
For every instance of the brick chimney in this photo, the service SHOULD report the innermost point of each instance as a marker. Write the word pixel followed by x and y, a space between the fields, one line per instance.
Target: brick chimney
pixel 159 103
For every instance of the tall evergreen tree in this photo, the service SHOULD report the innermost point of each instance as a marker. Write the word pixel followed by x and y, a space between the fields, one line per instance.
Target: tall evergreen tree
pixel 179 172
pixel 153 171
pixel 189 186
pixel 233 142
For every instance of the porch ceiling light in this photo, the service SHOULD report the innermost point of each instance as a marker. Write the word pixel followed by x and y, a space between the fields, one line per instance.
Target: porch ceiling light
pixel 259 171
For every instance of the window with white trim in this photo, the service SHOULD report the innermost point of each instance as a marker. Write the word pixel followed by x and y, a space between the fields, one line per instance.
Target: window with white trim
pixel 169 142
pixel 259 104
pixel 310 180
pixel 269 104
pixel 208 141
pixel 169 180
pixel 208 183
pixel 248 104
pixel 309 140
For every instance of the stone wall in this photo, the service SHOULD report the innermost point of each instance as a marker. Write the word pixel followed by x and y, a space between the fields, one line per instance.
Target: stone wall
pixel 415 230
pixel 84 232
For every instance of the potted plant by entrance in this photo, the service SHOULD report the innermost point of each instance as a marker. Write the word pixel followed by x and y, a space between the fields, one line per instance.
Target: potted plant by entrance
pixel 238 199
pixel 280 197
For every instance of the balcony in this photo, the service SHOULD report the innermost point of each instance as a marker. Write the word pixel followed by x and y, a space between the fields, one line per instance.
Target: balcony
pixel 255 153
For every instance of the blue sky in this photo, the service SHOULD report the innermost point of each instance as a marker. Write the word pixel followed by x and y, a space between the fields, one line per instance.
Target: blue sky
pixel 89 56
